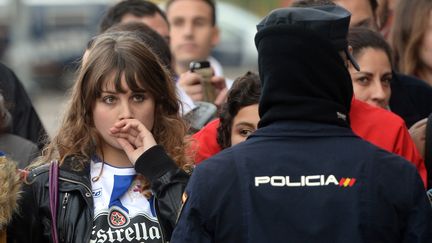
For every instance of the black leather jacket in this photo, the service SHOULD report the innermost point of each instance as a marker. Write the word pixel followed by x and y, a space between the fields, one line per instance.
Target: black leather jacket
pixel 75 211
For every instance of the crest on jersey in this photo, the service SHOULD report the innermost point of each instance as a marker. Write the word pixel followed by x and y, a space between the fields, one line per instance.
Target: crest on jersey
pixel 118 217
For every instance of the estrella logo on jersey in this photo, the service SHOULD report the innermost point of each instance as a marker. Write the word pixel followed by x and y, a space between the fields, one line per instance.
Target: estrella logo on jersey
pixel 304 181
pixel 117 217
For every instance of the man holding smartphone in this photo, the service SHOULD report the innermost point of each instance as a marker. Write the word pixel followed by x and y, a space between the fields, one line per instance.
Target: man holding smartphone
pixel 193 34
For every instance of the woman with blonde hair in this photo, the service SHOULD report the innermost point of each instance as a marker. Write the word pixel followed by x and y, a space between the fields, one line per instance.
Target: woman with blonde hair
pixel 116 180
pixel 411 38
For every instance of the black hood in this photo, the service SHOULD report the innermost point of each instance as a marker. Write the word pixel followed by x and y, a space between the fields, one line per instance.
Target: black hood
pixel 303 77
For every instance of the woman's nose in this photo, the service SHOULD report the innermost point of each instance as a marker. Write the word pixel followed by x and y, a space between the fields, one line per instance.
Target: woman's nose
pixel 126 111
pixel 379 94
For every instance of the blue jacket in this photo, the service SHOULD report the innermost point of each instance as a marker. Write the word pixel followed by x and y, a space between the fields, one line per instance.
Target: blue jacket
pixel 305 182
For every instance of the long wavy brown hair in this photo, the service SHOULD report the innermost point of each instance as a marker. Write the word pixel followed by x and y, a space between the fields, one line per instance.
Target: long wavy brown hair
pixel 410 25
pixel 121 53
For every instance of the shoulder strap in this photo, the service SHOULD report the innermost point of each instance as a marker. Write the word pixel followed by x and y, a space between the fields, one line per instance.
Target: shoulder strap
pixel 53 198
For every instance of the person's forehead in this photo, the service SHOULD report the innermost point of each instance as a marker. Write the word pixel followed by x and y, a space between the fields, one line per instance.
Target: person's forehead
pixel 353 5
pixel 189 8
pixel 360 9
pixel 109 81
pixel 150 20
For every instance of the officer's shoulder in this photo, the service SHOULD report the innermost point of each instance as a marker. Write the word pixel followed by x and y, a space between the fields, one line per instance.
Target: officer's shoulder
pixel 220 164
pixel 393 165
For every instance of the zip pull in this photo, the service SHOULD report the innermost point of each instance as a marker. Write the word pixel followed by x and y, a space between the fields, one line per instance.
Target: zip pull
pixel 63 217
pixel 65 199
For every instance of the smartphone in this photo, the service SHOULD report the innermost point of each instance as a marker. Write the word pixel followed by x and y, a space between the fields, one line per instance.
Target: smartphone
pixel 204 69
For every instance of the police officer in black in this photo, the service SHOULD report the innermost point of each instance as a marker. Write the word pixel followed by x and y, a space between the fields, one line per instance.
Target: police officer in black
pixel 304 176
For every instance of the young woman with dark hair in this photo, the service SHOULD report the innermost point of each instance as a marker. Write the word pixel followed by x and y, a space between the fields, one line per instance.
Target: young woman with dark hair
pixel 239 115
pixel 372 83
pixel 120 151
pixel 237 120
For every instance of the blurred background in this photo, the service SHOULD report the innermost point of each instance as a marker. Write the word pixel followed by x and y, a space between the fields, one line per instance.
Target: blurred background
pixel 43 40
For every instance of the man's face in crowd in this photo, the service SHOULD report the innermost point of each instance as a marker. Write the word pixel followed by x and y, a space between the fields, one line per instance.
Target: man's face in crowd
pixel 192 32
pixel 361 11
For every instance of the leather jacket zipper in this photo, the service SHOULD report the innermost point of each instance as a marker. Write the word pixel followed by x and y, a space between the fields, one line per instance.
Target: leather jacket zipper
pixel 88 194
pixel 63 216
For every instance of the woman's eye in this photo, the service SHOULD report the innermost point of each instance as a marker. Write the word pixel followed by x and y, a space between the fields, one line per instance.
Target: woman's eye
pixel 109 99
pixel 245 132
pixel 138 98
pixel 363 80
pixel 386 81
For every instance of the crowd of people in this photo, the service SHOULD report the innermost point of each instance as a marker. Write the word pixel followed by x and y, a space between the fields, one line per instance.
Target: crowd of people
pixel 330 141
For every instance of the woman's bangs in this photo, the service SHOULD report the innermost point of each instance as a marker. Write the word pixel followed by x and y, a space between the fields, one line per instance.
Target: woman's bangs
pixel 134 82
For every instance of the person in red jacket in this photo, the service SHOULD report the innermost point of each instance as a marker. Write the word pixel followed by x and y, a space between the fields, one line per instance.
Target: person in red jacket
pixel 377 126
pixel 238 119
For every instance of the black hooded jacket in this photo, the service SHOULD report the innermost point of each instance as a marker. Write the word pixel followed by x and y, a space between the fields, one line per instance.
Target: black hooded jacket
pixel 307 82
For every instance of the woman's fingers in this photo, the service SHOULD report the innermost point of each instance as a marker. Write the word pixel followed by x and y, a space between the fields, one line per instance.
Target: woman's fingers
pixel 135 140
pixel 130 151
pixel 133 137
pixel 127 147
pixel 129 124
pixel 134 132
pixel 125 129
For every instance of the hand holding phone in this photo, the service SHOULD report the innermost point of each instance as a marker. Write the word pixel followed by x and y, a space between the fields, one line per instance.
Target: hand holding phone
pixel 204 69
